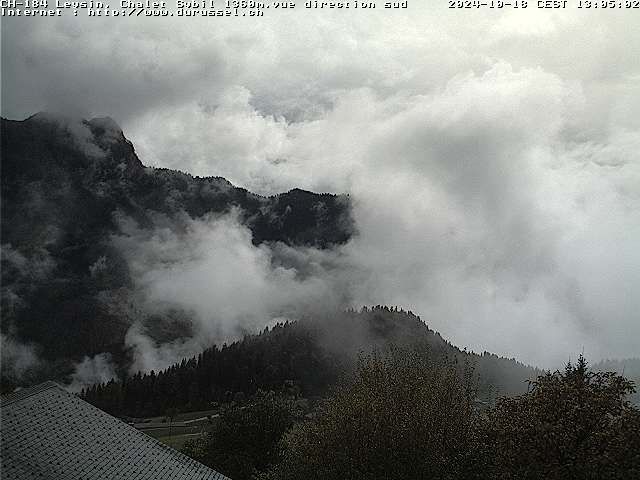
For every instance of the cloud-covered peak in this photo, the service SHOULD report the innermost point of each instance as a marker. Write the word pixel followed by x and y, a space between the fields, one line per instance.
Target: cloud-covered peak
pixel 490 154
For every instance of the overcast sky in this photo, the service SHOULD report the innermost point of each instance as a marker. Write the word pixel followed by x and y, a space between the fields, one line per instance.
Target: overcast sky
pixel 492 155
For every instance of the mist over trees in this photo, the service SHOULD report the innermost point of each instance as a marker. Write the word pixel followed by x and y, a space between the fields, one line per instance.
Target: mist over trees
pixel 69 188
pixel 377 394
pixel 301 399
pixel 405 415
pixel 401 404
pixel 574 423
pixel 307 357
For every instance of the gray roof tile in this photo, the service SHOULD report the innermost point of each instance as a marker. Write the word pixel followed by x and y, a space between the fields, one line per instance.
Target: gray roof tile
pixel 48 433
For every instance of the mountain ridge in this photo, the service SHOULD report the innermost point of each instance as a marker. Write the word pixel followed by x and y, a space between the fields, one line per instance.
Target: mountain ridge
pixel 308 356
pixel 66 186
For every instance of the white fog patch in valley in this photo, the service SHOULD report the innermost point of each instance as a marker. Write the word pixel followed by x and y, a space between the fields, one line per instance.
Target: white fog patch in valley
pixel 211 268
pixel 482 207
pixel 149 355
pixel 17 357
pixel 91 371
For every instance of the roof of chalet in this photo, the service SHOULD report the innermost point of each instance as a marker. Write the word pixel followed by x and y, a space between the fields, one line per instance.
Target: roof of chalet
pixel 48 433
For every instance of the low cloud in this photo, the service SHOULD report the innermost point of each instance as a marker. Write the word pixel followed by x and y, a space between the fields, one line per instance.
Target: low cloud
pixel 91 370
pixel 210 269
pixel 491 157
pixel 18 358
pixel 487 207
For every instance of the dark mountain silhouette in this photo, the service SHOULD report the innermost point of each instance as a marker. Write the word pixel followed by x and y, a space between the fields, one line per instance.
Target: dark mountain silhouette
pixel 305 357
pixel 66 185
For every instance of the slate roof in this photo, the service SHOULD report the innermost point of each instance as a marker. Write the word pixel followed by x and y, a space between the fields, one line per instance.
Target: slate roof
pixel 48 433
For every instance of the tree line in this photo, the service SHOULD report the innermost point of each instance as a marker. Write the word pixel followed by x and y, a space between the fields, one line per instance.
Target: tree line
pixel 306 357
pixel 405 416
pixel 284 356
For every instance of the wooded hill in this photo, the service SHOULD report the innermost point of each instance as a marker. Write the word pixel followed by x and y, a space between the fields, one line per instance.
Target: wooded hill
pixel 304 358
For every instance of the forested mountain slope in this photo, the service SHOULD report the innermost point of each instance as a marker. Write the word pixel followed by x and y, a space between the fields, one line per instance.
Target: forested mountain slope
pixel 304 357
pixel 67 188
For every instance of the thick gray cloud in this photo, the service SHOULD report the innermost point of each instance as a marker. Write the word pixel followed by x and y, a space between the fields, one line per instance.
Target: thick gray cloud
pixel 17 358
pixel 211 269
pixel 92 370
pixel 492 157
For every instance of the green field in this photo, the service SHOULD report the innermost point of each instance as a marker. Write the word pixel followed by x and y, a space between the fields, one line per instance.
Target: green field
pixel 181 417
pixel 185 426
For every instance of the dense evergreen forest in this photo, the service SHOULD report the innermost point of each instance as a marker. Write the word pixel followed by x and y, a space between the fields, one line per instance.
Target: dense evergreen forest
pixel 305 357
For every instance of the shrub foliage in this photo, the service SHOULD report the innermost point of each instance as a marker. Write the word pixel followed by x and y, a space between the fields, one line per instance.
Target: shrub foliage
pixel 405 415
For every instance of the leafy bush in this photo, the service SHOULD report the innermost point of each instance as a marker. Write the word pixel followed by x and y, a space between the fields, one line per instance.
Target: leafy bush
pixel 407 415
pixel 575 424
pixel 404 416
pixel 245 440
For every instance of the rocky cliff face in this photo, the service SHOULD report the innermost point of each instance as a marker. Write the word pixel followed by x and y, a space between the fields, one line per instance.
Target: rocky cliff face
pixel 67 185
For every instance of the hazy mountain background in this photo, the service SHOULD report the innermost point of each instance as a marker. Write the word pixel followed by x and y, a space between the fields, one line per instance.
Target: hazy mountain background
pixel 81 222
pixel 306 358
pixel 110 268
pixel 482 171
pixel 490 156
